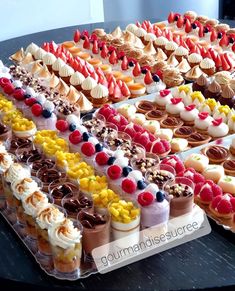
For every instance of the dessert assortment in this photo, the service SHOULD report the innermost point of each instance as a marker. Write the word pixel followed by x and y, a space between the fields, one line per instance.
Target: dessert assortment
pixel 74 178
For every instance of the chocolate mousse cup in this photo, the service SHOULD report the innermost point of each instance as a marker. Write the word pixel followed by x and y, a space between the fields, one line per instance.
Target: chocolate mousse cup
pixel 36 165
pixel 181 196
pixel 59 190
pixel 24 153
pixel 17 142
pixel 75 203
pixel 96 231
pixel 47 176
pixel 5 133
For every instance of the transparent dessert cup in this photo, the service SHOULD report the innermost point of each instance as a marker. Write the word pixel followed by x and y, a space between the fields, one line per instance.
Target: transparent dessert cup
pixel 71 210
pixel 95 237
pixel 47 176
pixel 150 157
pixel 11 144
pixel 48 123
pixel 166 169
pixel 63 116
pixel 113 132
pixel 32 164
pixel 67 261
pixel 135 150
pixel 125 139
pixel 57 184
pixel 130 230
pixel 98 121
pixel 7 135
pixel 28 150
pixel 44 254
pixel 183 204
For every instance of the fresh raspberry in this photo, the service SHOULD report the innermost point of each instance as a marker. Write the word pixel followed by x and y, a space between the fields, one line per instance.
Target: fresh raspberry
pixel 62 125
pixel 206 193
pixel 8 88
pixel 123 120
pixel 232 201
pixel 198 188
pixel 106 111
pixel 179 167
pixel 130 131
pixel 114 172
pixel 145 198
pixel 137 138
pixel 152 138
pixel 4 81
pixel 224 207
pixel 148 147
pixel 129 186
pixel 115 119
pixel 36 109
pixel 30 101
pixel 166 144
pixel 88 149
pixel 198 178
pixel 75 137
pixel 138 128
pixel 102 158
pixel 144 140
pixel 215 201
pixel 216 190
pixel 18 94
pixel 158 148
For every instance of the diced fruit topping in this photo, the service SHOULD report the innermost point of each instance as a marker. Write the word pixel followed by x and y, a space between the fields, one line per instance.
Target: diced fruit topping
pixel 145 198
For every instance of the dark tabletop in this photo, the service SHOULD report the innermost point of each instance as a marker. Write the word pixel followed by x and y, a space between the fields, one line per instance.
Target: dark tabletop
pixel 207 262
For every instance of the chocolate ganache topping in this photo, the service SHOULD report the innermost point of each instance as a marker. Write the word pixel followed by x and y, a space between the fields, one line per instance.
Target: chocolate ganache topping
pixel 184 131
pixel 198 137
pixel 155 114
pixel 17 142
pixel 217 152
pixel 145 106
pixel 171 121
pixel 76 204
pixel 49 175
pixel 229 165
pixel 89 220
pixel 41 163
pixel 3 128
pixel 34 155
pixel 62 190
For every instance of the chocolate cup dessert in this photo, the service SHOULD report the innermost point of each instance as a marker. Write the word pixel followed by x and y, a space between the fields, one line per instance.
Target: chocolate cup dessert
pixel 49 175
pixel 201 84
pixel 227 97
pixel 59 190
pixel 36 165
pixel 146 163
pixel 74 203
pixel 5 132
pixel 197 139
pixel 213 91
pixel 184 131
pixel 23 154
pixel 144 106
pixel 229 167
pixel 156 114
pixel 96 230
pixel 17 142
pixel 171 122
pixel 216 154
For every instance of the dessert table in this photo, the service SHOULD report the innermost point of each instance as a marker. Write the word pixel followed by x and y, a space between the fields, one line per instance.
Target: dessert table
pixel 207 262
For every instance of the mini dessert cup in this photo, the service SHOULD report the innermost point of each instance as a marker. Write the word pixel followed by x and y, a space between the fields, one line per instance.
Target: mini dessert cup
pixel 134 150
pixel 47 176
pixel 146 163
pixel 121 139
pixel 92 121
pixel 74 203
pixel 67 255
pixel 58 190
pixel 36 165
pixel 15 143
pixel 24 153
pixel 125 221
pixel 48 216
pixel 48 123
pixel 160 175
pixel 109 130
pixel 5 133
pixel 181 196
pixel 96 231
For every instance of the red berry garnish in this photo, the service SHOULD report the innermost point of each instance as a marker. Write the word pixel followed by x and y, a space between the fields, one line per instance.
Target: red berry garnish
pixel 171 17
pixel 101 158
pixel 206 193
pixel 198 178
pixel 113 59
pixel 62 125
pixel 36 109
pixel 145 198
pixel 216 190
pixel 77 36
pixel 137 70
pixel 114 172
pixel 176 100
pixel 124 64
pixel 180 22
pixel 129 186
pixel 224 207
pixel 190 107
pixel 188 26
pixel 95 48
pixel 217 121
pixel 86 44
pixel 213 36
pixel 8 88
pixel 18 94
pixel 30 101
pixel 166 144
pixel 88 149
pixel 148 78
pixel 198 187
pixel 75 137
pixel 4 82
pixel 224 40
pixel 164 93
pixel 203 115
pixel 158 148
pixel 216 200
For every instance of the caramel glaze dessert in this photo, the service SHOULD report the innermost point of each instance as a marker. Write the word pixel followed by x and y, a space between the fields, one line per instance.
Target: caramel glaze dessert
pixel 156 114
pixel 229 167
pixel 197 139
pixel 216 154
pixel 144 106
pixel 184 132
pixel 171 122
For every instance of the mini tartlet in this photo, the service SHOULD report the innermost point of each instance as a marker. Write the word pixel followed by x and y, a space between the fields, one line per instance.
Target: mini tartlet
pixel 197 139
pixel 216 154
pixel 144 106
